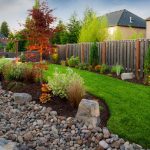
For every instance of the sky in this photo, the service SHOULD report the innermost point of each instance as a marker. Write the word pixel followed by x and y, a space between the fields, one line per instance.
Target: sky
pixel 15 12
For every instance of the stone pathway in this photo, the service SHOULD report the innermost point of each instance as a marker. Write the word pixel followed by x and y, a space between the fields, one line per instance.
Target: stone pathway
pixel 33 127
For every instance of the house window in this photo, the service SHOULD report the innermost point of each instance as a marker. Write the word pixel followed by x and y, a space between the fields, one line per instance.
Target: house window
pixel 131 20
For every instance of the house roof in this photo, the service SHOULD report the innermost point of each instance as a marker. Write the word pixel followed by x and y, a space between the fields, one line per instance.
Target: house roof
pixel 148 19
pixel 2 36
pixel 125 18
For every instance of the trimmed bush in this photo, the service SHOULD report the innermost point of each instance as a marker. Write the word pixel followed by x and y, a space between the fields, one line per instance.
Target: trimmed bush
pixel 73 61
pixel 94 55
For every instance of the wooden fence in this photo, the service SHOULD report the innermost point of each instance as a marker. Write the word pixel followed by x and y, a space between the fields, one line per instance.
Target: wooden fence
pixel 129 53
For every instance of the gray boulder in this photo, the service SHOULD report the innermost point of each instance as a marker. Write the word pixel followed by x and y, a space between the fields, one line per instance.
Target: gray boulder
pixel 127 76
pixel 89 112
pixel 22 98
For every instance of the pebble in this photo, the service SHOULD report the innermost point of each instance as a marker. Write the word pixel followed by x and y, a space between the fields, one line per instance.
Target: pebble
pixel 37 127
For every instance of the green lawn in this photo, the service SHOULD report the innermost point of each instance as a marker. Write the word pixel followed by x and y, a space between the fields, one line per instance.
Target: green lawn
pixel 129 104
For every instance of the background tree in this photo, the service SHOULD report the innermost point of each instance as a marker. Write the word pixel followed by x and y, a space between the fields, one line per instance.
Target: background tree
pixel 61 36
pixel 39 30
pixel 74 27
pixel 117 35
pixel 4 29
pixel 93 29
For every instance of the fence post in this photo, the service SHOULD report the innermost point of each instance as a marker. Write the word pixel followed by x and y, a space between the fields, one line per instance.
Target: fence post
pixel 82 53
pixel 137 58
pixel 104 53
pixel 66 51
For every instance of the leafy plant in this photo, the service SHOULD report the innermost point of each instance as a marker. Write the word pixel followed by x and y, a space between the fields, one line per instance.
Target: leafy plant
pixel 63 63
pixel 73 61
pixel 118 69
pixel 59 83
pixel 97 68
pixel 147 66
pixel 3 61
pixel 46 95
pixel 104 68
pixel 55 57
pixel 94 55
pixel 67 85
pixel 82 66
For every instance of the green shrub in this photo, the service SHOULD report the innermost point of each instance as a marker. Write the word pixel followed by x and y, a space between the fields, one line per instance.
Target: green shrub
pixel 82 66
pixel 73 61
pixel 13 71
pixel 104 68
pixel 94 55
pixel 61 82
pixel 147 62
pixel 118 69
pixel 147 67
pixel 22 58
pixel 3 61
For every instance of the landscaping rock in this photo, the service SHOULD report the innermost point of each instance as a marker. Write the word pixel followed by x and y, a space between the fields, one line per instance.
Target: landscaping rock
pixel 88 112
pixel 22 98
pixel 35 127
pixel 127 76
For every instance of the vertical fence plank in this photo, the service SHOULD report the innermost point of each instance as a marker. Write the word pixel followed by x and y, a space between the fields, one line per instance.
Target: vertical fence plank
pixel 104 53
pixel 137 58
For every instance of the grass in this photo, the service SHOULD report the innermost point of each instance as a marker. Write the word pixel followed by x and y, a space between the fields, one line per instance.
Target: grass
pixel 129 104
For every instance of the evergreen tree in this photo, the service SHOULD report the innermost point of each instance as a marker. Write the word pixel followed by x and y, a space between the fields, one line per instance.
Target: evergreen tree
pixel 74 27
pixel 4 29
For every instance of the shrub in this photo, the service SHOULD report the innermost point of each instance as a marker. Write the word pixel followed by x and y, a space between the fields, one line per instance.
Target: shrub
pixel 94 55
pixel 118 69
pixel 3 61
pixel 67 85
pixel 82 66
pixel 73 61
pixel 13 71
pixel 97 68
pixel 54 57
pixel 63 63
pixel 22 58
pixel 147 67
pixel 75 90
pixel 59 83
pixel 104 68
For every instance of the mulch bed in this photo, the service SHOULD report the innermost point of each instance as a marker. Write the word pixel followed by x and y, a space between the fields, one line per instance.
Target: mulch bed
pixel 62 106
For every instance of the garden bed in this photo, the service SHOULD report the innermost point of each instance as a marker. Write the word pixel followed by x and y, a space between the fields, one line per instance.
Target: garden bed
pixel 62 106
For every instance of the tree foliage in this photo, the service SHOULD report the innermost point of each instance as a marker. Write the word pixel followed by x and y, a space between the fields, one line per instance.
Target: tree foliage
pixel 61 36
pixel 94 55
pixel 4 29
pixel 74 27
pixel 39 29
pixel 93 29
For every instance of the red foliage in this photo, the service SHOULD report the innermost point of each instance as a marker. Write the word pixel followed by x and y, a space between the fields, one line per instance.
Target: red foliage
pixel 39 29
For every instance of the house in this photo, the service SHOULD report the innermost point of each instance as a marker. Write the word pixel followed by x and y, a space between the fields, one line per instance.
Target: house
pixel 148 28
pixel 126 23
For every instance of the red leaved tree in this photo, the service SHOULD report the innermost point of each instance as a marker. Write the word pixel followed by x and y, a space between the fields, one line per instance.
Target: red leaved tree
pixel 39 29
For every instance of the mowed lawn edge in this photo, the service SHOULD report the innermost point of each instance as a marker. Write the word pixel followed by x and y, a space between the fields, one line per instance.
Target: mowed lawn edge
pixel 129 104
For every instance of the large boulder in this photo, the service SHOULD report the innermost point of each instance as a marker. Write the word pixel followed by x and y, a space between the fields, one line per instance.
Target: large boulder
pixel 127 76
pixel 22 98
pixel 7 145
pixel 89 112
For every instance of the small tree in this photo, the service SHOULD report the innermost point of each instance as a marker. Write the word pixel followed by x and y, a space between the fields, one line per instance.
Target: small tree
pixel 61 36
pixel 39 29
pixel 94 55
pixel 93 29
pixel 74 27
pixel 4 29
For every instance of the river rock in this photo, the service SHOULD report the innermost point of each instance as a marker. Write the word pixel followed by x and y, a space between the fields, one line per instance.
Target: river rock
pixel 127 76
pixel 88 112
pixel 22 98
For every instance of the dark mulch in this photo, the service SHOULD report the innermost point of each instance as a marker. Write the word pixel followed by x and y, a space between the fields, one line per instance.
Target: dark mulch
pixel 62 106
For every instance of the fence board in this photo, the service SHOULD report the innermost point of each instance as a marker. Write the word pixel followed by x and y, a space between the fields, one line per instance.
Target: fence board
pixel 121 52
